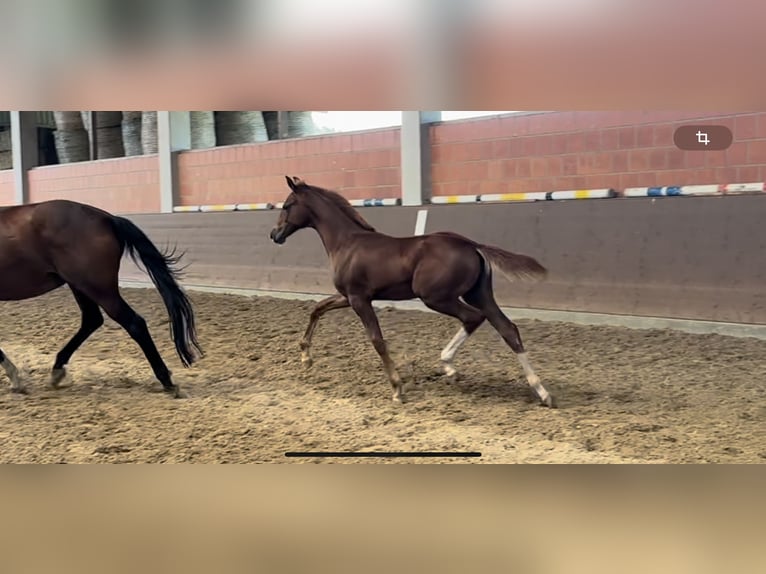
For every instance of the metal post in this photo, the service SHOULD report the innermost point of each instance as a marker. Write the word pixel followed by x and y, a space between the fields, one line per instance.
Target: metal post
pixel 416 156
pixel 173 136
pixel 25 152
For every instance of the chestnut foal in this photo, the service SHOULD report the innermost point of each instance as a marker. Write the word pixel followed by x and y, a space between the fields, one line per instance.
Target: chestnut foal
pixel 451 274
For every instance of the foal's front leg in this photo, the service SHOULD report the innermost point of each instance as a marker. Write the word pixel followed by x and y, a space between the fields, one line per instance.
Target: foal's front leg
pixel 13 374
pixel 337 301
pixel 363 308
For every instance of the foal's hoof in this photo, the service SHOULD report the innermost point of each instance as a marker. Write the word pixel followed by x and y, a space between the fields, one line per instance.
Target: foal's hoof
pixel 57 375
pixel 20 390
pixel 449 371
pixel 550 402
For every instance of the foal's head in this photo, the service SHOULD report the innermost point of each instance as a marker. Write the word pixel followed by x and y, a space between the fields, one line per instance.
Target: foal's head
pixel 302 206
pixel 295 213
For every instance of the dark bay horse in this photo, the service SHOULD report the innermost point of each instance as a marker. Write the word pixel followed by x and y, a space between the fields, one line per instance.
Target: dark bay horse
pixel 46 245
pixel 450 273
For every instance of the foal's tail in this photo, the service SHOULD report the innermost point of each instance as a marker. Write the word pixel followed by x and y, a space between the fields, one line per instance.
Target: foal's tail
pixel 164 273
pixel 513 265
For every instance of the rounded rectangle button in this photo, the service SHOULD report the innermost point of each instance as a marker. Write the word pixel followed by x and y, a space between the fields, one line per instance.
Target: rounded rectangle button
pixel 703 138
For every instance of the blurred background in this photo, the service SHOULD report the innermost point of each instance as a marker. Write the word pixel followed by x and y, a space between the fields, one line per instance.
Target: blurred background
pixel 380 54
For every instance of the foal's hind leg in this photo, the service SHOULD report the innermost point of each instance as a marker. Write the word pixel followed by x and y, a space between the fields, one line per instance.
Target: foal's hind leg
pixel 337 301
pixel 90 322
pixel 13 374
pixel 471 319
pixel 363 308
pixel 510 333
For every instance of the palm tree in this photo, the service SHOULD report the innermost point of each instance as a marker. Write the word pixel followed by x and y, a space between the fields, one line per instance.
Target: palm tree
pixel 108 133
pixel 71 138
pixel 149 132
pixel 299 124
pixel 6 154
pixel 202 129
pixel 131 133
pixel 239 128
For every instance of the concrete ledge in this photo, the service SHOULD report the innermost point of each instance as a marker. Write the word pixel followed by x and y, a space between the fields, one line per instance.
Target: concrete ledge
pixel 628 321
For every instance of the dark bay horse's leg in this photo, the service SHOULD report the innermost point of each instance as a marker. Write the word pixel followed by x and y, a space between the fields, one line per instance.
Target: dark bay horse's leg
pixel 470 317
pixel 118 309
pixel 485 302
pixel 13 374
pixel 336 301
pixel 363 308
pixel 91 320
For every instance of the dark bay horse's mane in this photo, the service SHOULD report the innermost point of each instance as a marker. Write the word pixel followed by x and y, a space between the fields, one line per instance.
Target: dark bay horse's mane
pixel 341 203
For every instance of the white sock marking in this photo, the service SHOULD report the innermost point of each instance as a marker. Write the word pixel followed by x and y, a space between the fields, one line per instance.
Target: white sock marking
pixel 532 378
pixel 448 353
pixel 528 372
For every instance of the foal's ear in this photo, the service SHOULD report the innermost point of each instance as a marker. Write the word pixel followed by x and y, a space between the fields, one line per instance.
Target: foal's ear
pixel 294 181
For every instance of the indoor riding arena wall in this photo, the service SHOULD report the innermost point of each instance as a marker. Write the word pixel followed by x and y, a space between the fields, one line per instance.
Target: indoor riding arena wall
pixel 687 257
pixel 589 150
pixel 679 257
pixel 359 165
pixel 528 152
pixel 119 185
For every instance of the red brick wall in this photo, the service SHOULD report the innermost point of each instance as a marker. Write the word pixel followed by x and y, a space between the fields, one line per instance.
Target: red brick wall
pixel 6 187
pixel 524 152
pixel 123 185
pixel 359 165
pixel 586 150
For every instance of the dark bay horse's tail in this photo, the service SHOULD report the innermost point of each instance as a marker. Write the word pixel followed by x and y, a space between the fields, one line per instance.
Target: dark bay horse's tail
pixel 163 271
pixel 513 265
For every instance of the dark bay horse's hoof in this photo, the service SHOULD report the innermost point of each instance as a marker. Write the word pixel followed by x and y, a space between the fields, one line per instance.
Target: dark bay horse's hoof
pixel 57 375
pixel 176 392
pixel 19 390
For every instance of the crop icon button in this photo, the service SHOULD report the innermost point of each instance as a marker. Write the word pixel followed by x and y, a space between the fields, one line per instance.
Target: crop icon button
pixel 703 138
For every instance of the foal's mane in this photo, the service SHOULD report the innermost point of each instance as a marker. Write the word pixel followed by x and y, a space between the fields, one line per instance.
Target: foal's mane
pixel 341 203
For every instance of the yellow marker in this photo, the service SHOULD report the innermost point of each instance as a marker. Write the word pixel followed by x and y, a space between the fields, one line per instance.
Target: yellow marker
pixel 516 196
pixel 207 208
pixel 253 206
pixel 455 199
